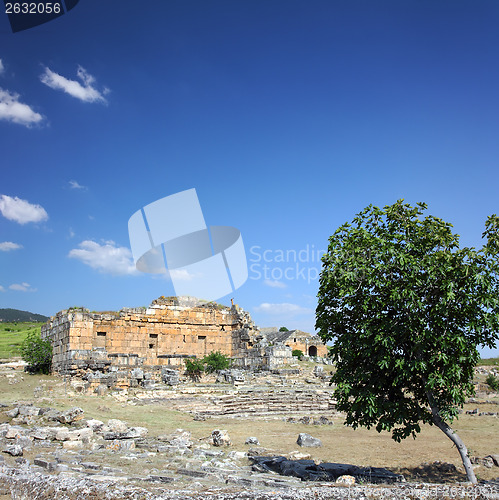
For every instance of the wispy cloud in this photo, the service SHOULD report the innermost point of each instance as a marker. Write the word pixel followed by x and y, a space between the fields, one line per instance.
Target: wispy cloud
pixel 76 185
pixel 21 211
pixel 274 284
pixel 12 110
pixel 22 287
pixel 84 91
pixel 2 289
pixel 106 258
pixel 2 68
pixel 7 246
pixel 182 275
pixel 283 308
pixel 72 234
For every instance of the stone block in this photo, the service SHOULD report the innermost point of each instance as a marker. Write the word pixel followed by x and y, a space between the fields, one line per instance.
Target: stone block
pixel 72 445
pixel 220 438
pixel 307 440
pixel 116 425
pixel 13 449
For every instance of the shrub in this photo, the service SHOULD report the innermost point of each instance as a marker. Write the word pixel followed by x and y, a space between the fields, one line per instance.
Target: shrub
pixel 297 353
pixel 37 353
pixel 194 368
pixel 492 382
pixel 283 329
pixel 216 361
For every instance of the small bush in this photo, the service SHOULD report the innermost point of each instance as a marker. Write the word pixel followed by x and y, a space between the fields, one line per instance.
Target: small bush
pixel 283 329
pixel 492 382
pixel 194 368
pixel 37 353
pixel 216 361
pixel 297 353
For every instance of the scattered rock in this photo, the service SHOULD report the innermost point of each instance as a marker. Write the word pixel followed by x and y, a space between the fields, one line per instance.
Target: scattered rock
pixel 95 425
pixel 13 449
pixel 72 445
pixel 121 445
pixel 12 413
pixel 116 425
pixel 70 416
pixel 170 376
pixel 220 438
pixel 308 441
pixel 252 440
pixel 13 433
pixel 101 389
pixel 31 411
pixel 348 480
pixel 179 438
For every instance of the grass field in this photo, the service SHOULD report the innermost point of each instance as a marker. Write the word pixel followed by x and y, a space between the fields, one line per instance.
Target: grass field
pixel 12 336
pixel 489 362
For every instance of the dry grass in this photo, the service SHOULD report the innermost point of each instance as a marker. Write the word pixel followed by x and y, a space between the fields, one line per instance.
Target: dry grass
pixel 340 444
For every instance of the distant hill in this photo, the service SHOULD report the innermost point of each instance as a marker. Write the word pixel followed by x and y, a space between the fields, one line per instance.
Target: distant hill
pixel 9 315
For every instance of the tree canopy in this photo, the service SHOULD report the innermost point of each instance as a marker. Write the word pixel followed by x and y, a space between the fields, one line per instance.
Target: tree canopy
pixel 407 309
pixel 37 353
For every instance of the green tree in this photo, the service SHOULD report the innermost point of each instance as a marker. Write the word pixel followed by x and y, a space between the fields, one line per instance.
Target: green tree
pixel 216 361
pixel 407 308
pixel 37 353
pixel 297 353
pixel 492 382
pixel 194 368
pixel 283 329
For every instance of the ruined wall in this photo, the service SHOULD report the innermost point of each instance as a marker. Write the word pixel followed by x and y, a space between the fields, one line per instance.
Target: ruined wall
pixel 165 333
pixel 308 344
pixel 141 346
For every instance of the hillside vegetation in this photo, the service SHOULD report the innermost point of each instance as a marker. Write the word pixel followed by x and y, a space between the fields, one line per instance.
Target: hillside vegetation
pixel 10 315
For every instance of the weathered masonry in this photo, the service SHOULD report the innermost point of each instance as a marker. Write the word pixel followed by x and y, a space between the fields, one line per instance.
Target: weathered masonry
pixel 160 336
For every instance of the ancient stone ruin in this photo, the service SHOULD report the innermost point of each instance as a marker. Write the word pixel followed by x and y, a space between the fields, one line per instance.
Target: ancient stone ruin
pixel 137 346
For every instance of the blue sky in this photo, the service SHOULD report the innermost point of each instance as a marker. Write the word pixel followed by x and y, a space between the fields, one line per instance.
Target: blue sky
pixel 288 117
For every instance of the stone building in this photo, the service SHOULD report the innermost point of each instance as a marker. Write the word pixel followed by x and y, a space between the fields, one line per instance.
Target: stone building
pixel 147 343
pixel 310 345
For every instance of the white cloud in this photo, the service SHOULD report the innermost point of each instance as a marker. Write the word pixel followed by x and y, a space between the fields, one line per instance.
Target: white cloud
pixel 283 308
pixel 21 211
pixel 182 275
pixel 274 284
pixel 2 68
pixel 12 110
pixel 7 246
pixel 76 185
pixel 72 234
pixel 2 289
pixel 85 92
pixel 22 287
pixel 105 258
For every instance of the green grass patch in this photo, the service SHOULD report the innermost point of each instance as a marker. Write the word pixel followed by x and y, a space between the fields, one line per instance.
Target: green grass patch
pixel 12 336
pixel 489 362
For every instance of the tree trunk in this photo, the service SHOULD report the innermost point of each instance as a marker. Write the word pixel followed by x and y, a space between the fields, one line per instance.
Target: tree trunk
pixel 451 434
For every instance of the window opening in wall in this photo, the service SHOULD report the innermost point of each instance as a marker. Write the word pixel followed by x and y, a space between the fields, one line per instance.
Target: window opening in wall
pixel 101 334
pixel 201 337
pixel 184 338
pixel 153 335
pixel 151 346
